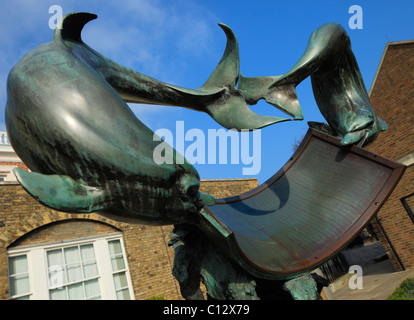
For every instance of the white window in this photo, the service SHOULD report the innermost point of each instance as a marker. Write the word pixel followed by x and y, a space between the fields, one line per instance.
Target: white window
pixel 19 284
pixel 82 269
pixel 73 273
pixel 6 173
pixel 119 270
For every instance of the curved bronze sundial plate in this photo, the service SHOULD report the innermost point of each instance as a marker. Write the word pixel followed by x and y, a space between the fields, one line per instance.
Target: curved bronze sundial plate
pixel 307 212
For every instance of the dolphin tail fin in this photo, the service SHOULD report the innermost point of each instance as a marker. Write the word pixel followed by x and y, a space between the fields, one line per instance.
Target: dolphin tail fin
pixel 232 111
pixel 283 97
pixel 227 71
pixel 61 193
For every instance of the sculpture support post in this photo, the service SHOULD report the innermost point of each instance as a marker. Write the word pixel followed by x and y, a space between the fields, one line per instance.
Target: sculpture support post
pixel 197 261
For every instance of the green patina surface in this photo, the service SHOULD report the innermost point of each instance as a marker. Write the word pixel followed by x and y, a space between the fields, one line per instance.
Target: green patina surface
pixel 62 98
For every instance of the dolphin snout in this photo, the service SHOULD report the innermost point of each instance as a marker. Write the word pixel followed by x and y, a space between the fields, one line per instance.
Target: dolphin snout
pixel 365 124
pixel 190 192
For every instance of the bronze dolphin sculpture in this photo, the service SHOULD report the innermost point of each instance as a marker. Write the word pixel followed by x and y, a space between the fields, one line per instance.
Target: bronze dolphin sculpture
pixel 338 87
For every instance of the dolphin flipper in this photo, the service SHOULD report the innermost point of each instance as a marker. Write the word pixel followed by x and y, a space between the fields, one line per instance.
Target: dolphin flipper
pixel 383 124
pixel 62 193
pixel 207 199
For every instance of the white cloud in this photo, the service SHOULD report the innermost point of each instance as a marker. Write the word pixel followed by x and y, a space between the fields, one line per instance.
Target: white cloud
pixel 125 45
pixel 157 38
pixel 149 34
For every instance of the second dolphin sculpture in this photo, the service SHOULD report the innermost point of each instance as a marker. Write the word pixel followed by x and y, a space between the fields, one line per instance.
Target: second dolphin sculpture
pixel 337 84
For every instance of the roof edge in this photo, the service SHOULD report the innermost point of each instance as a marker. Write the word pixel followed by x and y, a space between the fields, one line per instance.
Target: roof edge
pixel 393 43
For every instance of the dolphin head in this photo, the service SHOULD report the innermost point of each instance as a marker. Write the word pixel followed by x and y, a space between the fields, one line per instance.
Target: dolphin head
pixel 364 131
pixel 186 200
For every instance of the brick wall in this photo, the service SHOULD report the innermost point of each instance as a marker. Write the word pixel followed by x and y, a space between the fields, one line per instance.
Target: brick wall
pixel 64 230
pixel 397 224
pixel 24 221
pixel 21 165
pixel 393 99
pixel 223 188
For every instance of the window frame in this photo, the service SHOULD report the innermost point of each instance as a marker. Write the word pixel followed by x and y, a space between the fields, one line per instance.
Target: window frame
pixel 38 269
pixel 407 206
pixel 83 279
pixel 9 276
pixel 119 271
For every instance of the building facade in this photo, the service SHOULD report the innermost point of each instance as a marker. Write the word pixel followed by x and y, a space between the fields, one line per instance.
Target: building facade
pixel 392 95
pixel 46 254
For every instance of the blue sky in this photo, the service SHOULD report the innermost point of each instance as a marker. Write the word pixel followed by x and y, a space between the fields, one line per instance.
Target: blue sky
pixel 179 42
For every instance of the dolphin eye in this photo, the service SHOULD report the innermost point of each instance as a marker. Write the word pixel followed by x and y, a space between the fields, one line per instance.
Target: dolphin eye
pixel 192 191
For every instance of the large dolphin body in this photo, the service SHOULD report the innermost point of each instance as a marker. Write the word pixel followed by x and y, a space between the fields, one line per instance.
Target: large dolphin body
pixel 68 120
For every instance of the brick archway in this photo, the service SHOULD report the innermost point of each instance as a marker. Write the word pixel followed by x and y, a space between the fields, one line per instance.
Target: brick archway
pixel 34 222
pixel 64 230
